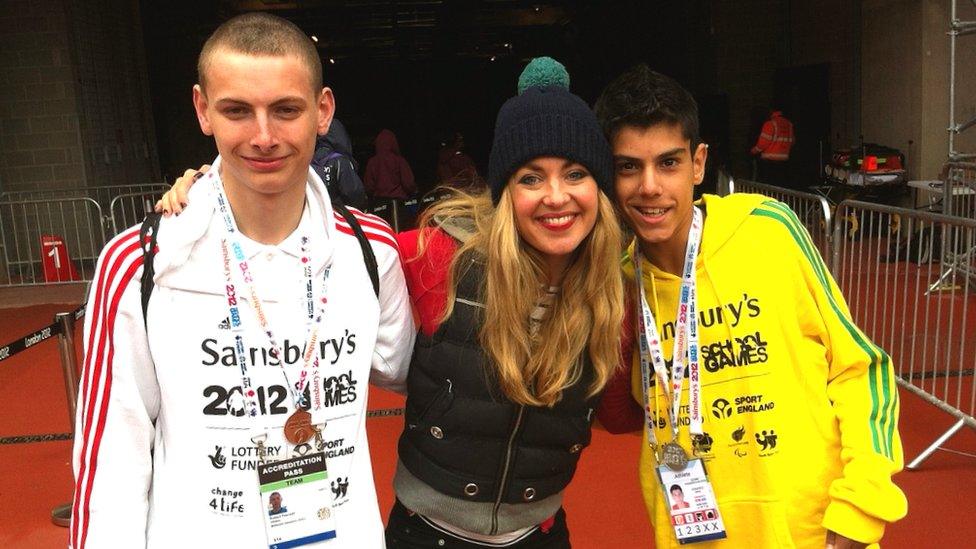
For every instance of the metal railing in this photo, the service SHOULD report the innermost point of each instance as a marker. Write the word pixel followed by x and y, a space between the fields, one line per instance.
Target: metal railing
pixel 102 195
pixel 958 189
pixel 55 236
pixel 64 329
pixel 394 211
pixel 813 210
pixel 909 277
pixel 402 214
pixel 890 263
pixel 126 210
pixel 49 241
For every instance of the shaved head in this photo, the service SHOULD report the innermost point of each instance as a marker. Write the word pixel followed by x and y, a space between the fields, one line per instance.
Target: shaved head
pixel 261 34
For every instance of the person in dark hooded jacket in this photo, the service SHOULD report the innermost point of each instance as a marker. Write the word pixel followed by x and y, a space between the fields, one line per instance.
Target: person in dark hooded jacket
pixel 334 163
pixel 387 173
pixel 455 168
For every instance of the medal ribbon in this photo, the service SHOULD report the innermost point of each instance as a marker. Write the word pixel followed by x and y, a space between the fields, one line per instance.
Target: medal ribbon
pixel 233 252
pixel 685 344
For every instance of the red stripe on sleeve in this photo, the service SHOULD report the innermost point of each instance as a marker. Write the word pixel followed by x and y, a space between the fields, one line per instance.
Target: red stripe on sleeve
pixel 370 217
pixel 94 356
pixel 109 280
pixel 346 229
pixel 372 222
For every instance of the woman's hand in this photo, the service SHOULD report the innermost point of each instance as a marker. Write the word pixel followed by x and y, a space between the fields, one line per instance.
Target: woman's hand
pixel 175 200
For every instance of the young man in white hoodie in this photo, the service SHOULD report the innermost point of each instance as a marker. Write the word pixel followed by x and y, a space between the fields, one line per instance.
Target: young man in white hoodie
pixel 248 374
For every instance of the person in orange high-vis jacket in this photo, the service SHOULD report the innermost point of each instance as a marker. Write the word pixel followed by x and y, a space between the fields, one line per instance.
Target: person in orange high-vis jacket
pixel 773 149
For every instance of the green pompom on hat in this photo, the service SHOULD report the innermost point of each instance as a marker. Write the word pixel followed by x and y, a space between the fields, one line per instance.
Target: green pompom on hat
pixel 542 72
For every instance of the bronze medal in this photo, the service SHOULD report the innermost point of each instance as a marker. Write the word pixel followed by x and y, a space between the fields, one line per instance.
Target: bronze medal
pixel 674 456
pixel 298 428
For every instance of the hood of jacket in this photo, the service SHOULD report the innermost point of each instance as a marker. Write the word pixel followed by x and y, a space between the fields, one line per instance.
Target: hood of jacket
pixel 724 214
pixel 386 142
pixel 337 140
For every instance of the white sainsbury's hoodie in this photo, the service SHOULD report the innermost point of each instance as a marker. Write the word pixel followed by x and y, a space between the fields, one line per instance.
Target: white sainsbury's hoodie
pixel 163 455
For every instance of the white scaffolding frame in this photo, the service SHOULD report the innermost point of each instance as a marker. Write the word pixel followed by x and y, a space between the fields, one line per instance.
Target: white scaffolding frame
pixel 957 160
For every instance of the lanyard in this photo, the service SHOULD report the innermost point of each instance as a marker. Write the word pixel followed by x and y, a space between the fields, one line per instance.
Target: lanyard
pixel 234 253
pixel 685 343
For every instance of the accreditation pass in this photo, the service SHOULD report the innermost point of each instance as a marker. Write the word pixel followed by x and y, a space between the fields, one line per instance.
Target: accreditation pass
pixel 691 500
pixel 294 492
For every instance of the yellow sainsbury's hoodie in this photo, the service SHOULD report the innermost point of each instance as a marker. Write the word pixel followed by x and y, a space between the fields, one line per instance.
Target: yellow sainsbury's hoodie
pixel 799 406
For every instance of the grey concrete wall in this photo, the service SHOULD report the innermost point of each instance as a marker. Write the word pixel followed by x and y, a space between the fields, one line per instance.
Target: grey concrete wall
pixel 755 37
pixel 891 103
pixel 905 76
pixel 113 95
pixel 74 95
pixel 74 114
pixel 40 143
pixel 934 82
pixel 827 32
pixel 746 59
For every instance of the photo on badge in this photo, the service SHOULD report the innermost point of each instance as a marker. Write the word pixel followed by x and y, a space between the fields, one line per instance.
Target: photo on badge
pixel 676 497
pixel 691 502
pixel 276 505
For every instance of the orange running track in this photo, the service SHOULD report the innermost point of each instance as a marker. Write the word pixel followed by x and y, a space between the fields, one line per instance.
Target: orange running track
pixel 603 502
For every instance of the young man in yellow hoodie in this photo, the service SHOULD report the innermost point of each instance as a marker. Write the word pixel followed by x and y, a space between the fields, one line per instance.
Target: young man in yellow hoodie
pixel 789 407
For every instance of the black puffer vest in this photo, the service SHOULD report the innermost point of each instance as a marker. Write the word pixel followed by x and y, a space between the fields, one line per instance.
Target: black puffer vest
pixel 465 439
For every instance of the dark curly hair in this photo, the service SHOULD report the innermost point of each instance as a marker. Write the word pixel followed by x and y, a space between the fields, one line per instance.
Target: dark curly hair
pixel 643 98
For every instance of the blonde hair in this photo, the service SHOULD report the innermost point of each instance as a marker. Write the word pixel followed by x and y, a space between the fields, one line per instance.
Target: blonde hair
pixel 586 315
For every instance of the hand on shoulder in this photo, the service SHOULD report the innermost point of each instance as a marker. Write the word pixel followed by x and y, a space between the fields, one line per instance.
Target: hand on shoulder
pixel 175 199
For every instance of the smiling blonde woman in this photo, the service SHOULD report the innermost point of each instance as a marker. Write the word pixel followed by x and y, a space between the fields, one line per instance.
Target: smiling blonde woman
pixel 519 295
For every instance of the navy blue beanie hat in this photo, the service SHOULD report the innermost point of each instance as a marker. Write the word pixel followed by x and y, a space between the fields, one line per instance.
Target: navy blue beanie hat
pixel 545 119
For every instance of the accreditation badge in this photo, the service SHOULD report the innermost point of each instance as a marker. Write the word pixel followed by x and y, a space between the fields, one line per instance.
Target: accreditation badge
pixel 691 500
pixel 295 494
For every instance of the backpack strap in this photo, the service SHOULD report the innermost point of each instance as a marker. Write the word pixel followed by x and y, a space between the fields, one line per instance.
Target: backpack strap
pixel 147 239
pixel 369 258
pixel 339 205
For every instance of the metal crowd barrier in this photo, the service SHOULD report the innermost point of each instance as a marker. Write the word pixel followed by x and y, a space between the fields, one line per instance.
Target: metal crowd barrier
pixel 402 214
pixel 64 328
pixel 813 210
pixel 102 195
pixel 392 210
pixel 126 210
pixel 891 263
pixel 909 277
pixel 49 241
pixel 55 236
pixel 959 189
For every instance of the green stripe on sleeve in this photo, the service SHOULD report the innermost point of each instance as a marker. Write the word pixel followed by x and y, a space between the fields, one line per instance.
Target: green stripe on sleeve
pixel 880 414
pixel 886 421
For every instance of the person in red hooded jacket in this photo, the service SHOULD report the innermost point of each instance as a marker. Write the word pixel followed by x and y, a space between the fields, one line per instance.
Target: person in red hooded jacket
pixel 388 175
